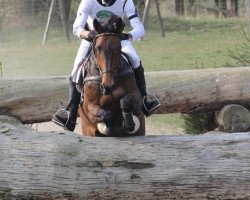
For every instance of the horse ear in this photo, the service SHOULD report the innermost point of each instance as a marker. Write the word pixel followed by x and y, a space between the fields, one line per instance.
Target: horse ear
pixel 119 25
pixel 97 26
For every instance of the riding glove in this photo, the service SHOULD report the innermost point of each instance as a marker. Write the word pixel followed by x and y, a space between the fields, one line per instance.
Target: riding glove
pixel 126 36
pixel 91 36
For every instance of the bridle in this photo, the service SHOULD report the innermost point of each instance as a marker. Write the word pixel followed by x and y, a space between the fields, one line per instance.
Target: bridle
pixel 94 43
pixel 97 78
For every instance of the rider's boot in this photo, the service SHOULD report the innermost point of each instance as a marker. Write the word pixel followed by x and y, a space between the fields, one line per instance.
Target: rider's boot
pixel 149 106
pixel 69 122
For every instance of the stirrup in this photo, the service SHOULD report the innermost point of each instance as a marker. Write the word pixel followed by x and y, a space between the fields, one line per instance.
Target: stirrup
pixel 149 104
pixel 61 117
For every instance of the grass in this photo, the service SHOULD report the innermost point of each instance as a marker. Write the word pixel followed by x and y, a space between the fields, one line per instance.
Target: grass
pixel 188 44
pixel 202 46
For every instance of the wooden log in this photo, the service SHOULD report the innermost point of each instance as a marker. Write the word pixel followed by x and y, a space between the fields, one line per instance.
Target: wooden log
pixel 35 100
pixel 233 118
pixel 52 165
pixel 189 91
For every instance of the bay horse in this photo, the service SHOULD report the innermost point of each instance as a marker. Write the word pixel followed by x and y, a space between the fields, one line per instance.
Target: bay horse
pixel 112 103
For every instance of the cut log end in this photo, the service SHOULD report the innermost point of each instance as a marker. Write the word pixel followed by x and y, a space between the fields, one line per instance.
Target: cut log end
pixel 233 118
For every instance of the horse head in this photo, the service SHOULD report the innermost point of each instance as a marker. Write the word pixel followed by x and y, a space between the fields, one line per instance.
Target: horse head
pixel 107 50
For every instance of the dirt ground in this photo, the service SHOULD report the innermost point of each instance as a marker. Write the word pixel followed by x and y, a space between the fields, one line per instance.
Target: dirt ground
pixel 151 129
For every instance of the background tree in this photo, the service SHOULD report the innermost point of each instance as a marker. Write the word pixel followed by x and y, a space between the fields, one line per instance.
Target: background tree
pixel 232 8
pixel 180 7
pixel 228 8
pixel 248 13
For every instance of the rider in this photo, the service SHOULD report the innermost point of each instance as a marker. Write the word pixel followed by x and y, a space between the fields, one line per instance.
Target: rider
pixel 89 10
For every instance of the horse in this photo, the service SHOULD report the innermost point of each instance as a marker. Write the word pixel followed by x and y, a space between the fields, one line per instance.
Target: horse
pixel 112 103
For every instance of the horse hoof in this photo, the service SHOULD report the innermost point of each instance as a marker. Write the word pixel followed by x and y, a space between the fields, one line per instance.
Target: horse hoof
pixel 137 125
pixel 103 129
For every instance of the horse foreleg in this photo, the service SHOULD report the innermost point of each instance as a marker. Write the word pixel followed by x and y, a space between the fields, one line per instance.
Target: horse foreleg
pixel 98 115
pixel 127 113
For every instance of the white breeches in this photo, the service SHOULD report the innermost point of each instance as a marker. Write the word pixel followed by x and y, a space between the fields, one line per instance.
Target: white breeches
pixel 126 48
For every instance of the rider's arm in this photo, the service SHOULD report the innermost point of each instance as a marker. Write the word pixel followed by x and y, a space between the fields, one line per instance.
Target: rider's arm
pixel 137 27
pixel 81 20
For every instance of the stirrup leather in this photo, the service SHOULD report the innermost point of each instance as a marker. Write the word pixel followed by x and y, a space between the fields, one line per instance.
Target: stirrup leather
pixel 150 104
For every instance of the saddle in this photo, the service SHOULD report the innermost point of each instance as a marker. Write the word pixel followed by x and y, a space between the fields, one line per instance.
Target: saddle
pixel 88 70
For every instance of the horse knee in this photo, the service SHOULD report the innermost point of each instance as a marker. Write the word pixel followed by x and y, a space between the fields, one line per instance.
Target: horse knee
pixel 126 103
pixel 108 119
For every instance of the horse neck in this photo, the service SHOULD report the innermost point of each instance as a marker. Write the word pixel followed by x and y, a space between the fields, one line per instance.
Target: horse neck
pixel 92 66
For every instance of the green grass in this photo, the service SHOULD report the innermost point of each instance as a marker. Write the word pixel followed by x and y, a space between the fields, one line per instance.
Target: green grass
pixel 204 46
pixel 188 44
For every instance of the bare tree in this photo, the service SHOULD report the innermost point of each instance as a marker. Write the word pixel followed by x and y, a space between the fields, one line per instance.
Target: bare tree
pixel 191 7
pixel 2 13
pixel 232 8
pixel 64 12
pixel 222 5
pixel 228 8
pixel 180 7
pixel 248 13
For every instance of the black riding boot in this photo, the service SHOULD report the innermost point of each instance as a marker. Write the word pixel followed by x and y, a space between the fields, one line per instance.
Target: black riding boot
pixel 148 105
pixel 69 122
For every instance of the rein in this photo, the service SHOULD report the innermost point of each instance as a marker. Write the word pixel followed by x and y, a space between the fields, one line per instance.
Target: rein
pixel 107 34
pixel 97 78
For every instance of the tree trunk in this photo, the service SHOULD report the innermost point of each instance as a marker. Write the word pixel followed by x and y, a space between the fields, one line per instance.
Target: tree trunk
pixel 191 8
pixel 233 118
pixel 187 91
pixel 46 33
pixel 180 7
pixel 222 5
pixel 1 30
pixel 33 100
pixel 248 13
pixel 157 4
pixel 64 6
pixel 146 11
pixel 232 6
pixel 52 165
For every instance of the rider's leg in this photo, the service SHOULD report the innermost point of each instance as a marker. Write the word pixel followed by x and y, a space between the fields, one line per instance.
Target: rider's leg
pixel 69 122
pixel 74 97
pixel 148 106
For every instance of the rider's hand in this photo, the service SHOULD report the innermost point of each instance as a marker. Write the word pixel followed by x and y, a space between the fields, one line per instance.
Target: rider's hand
pixel 91 35
pixel 126 36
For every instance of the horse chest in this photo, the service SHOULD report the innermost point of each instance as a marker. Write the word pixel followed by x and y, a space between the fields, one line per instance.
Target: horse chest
pixel 107 100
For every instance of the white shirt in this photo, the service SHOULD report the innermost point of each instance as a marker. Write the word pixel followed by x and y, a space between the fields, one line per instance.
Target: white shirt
pixel 90 9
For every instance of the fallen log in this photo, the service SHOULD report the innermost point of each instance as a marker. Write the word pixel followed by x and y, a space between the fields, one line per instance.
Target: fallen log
pixel 35 100
pixel 233 118
pixel 51 165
